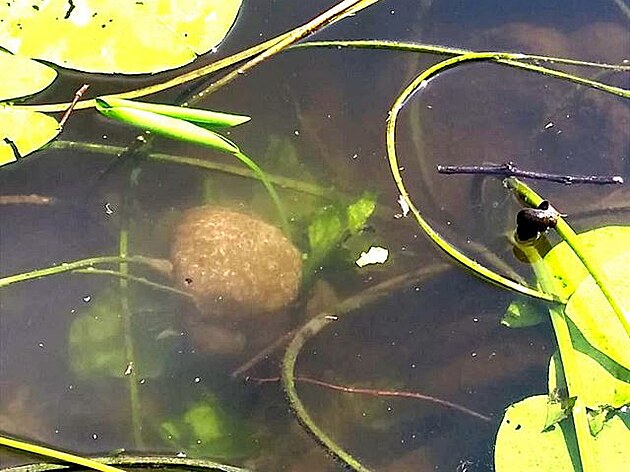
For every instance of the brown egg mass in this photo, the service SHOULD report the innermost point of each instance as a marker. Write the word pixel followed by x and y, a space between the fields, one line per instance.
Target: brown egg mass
pixel 234 264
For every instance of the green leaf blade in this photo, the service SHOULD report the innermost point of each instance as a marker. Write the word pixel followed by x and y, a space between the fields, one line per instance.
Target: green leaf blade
pixel 166 126
pixel 206 118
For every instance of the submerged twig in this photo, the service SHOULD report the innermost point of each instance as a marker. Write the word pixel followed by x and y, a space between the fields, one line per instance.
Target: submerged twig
pixel 509 169
pixel 312 328
pixel 381 393
pixel 133 278
pixel 352 303
pixel 32 199
pixel 77 96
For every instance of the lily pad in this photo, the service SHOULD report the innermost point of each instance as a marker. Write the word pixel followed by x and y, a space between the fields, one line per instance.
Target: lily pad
pixel 143 37
pixel 592 315
pixel 21 76
pixel 22 132
pixel 601 244
pixel 522 445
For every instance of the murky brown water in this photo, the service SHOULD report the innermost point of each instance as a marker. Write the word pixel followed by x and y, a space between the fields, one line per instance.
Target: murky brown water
pixel 318 117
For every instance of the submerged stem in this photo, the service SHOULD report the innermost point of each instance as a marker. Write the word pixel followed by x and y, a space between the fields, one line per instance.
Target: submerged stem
pixel 258 172
pixel 69 267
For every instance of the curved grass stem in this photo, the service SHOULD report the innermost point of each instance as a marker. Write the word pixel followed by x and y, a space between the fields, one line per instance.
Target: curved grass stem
pixel 258 172
pixel 70 267
pixel 416 85
pixel 509 59
pixel 56 454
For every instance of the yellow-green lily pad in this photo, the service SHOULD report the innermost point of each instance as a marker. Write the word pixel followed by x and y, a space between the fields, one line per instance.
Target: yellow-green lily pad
pixel 110 36
pixel 522 445
pixel 593 316
pixel 601 244
pixel 21 76
pixel 23 132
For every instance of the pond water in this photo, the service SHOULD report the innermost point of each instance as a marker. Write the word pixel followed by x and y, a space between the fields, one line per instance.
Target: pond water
pixel 318 119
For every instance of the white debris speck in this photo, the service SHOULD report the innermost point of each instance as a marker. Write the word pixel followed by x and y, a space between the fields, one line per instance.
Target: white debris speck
pixel 403 205
pixel 374 255
pixel 129 369
pixel 549 125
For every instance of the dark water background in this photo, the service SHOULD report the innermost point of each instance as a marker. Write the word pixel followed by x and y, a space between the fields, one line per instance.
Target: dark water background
pixel 440 337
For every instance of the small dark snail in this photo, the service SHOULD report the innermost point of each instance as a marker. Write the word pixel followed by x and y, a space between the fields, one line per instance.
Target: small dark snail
pixel 532 222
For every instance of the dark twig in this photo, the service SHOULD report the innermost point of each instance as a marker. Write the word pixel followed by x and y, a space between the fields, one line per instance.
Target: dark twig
pixel 509 169
pixel 380 393
pixel 77 96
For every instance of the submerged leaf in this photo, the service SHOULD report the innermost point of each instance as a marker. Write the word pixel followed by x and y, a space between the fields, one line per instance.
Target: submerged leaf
pixel 360 211
pixel 206 429
pixel 143 37
pixel 523 313
pixel 96 341
pixel 21 76
pixel 325 231
pixel 23 132
pixel 522 445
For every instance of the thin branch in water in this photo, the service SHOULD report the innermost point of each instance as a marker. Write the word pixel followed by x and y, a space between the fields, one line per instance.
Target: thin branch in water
pixel 77 96
pixel 510 169
pixel 381 393
pixel 32 199
pixel 133 278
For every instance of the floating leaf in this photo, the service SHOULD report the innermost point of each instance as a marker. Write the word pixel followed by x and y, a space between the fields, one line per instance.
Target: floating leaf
pixel 206 118
pixel 522 445
pixel 21 76
pixel 359 212
pixel 143 37
pixel 375 255
pixel 23 132
pixel 166 126
pixel 601 244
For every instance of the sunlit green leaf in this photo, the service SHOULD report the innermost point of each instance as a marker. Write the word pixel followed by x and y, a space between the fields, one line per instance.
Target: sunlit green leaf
pixel 141 37
pixel 21 76
pixel 22 132
pixel 166 126
pixel 522 445
pixel 207 118
pixel 593 316
pixel 359 212
pixel 601 244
